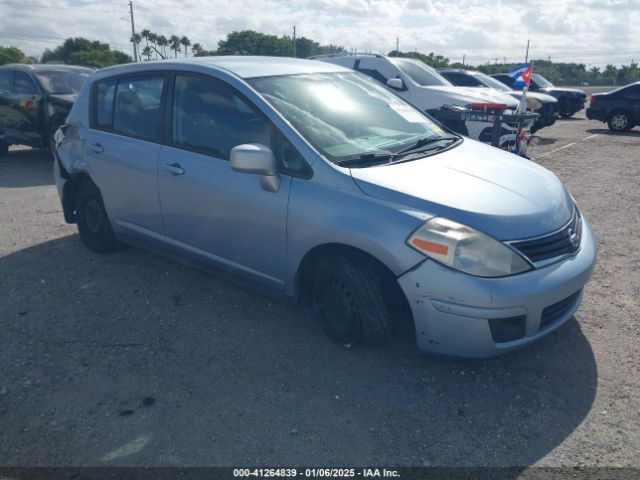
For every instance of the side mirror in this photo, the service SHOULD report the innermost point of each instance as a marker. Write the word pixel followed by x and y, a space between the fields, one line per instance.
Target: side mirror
pixel 395 83
pixel 258 159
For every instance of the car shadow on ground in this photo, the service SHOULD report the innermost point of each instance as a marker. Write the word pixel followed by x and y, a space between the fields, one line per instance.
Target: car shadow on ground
pixel 133 359
pixel 26 168
pixel 606 131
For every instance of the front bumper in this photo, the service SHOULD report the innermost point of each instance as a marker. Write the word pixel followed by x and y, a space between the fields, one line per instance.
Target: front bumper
pixel 453 311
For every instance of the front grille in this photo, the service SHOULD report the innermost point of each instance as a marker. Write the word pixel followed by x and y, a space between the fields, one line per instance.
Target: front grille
pixel 562 242
pixel 558 310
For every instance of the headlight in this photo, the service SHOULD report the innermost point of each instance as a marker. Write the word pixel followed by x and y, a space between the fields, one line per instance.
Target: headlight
pixel 466 249
pixel 534 103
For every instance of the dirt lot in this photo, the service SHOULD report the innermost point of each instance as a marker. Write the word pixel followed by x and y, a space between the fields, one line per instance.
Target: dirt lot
pixel 131 359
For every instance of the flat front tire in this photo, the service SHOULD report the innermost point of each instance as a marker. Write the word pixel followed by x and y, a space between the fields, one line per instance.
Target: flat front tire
pixel 93 222
pixel 348 297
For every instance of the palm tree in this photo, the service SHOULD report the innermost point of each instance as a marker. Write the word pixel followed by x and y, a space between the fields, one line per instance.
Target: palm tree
pixel 197 49
pixel 186 43
pixel 145 34
pixel 153 38
pixel 146 51
pixel 163 42
pixel 136 41
pixel 174 44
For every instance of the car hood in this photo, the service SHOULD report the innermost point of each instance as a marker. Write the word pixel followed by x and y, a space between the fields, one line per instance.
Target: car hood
pixel 573 91
pixel 64 97
pixel 465 95
pixel 499 193
pixel 542 97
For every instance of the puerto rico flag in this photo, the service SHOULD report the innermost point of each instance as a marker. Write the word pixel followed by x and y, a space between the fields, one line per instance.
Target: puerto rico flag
pixel 522 74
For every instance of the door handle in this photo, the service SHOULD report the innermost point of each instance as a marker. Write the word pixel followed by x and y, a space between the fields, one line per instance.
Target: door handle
pixel 174 169
pixel 96 147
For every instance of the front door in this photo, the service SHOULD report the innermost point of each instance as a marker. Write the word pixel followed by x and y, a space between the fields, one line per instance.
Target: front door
pixel 208 209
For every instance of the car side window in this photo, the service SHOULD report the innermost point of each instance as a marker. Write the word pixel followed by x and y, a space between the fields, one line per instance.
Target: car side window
pixel 137 110
pixel 104 95
pixel 210 117
pixel 6 80
pixel 462 80
pixel 633 93
pixel 24 84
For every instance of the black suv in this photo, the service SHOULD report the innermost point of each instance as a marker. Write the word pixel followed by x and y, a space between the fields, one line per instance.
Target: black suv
pixel 620 108
pixel 571 100
pixel 35 100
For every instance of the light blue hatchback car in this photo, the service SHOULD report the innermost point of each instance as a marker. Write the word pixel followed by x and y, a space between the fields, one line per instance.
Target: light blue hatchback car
pixel 317 182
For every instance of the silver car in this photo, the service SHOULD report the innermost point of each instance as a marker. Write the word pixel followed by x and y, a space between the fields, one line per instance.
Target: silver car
pixel 321 184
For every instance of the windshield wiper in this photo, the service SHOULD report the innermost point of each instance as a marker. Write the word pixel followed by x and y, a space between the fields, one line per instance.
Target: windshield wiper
pixel 423 142
pixel 387 157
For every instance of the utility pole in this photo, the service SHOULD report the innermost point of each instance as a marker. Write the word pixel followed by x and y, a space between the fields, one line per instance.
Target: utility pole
pixel 133 33
pixel 526 57
pixel 398 44
pixel 463 57
pixel 294 41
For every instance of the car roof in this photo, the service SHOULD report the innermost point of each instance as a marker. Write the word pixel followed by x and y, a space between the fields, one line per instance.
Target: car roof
pixel 459 70
pixel 31 67
pixel 242 66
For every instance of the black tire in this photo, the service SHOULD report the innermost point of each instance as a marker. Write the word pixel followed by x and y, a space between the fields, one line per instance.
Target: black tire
pixel 619 121
pixel 4 149
pixel 348 297
pixel 93 222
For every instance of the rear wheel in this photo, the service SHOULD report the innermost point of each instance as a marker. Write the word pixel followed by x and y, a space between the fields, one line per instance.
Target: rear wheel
pixel 92 219
pixel 619 121
pixel 348 296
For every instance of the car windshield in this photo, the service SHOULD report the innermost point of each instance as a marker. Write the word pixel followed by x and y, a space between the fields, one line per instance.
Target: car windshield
pixel 346 115
pixel 420 73
pixel 62 82
pixel 492 82
pixel 541 81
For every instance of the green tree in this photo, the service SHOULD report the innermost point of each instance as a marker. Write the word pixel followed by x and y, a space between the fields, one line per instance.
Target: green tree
pixel 80 51
pixel 12 55
pixel 147 52
pixel 249 42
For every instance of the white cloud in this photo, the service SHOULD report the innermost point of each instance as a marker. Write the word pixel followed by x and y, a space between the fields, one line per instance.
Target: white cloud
pixel 588 31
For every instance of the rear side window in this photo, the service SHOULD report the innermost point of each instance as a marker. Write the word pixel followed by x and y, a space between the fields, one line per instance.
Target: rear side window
pixel 105 94
pixel 462 80
pixel 137 106
pixel 25 84
pixel 633 93
pixel 130 105
pixel 210 117
pixel 6 80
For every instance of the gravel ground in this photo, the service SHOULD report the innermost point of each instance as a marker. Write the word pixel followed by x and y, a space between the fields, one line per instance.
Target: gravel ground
pixel 132 359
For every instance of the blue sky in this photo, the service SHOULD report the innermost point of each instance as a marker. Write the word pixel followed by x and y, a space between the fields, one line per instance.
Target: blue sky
pixel 594 32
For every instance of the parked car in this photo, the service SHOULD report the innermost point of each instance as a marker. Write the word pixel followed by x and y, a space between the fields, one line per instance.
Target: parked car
pixel 544 105
pixel 35 100
pixel 620 108
pixel 323 185
pixel 571 100
pixel 429 91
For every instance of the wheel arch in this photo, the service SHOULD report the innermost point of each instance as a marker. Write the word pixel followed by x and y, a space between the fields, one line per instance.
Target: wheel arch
pixel 69 192
pixel 303 281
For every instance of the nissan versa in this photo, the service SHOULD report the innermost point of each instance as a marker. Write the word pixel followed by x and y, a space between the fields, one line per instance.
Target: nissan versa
pixel 320 183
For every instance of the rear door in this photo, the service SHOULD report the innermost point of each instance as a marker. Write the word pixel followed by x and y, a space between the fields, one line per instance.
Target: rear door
pixel 122 148
pixel 210 211
pixel 7 78
pixel 27 98
pixel 632 97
